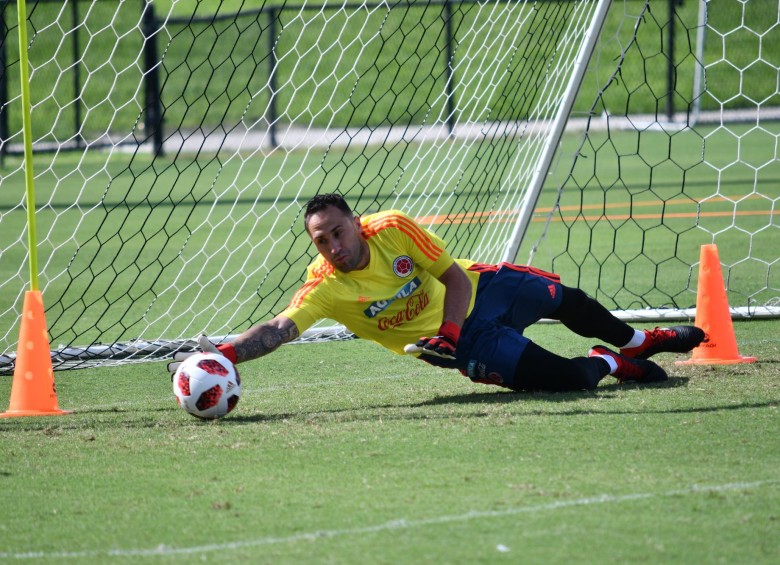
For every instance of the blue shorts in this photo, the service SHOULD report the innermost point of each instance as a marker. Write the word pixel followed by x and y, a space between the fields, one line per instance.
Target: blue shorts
pixel 509 299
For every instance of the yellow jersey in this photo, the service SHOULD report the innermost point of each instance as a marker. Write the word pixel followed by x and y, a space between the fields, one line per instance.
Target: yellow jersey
pixel 396 299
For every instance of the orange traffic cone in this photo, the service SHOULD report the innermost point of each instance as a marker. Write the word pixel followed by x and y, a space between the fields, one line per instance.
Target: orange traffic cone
pixel 32 390
pixel 712 315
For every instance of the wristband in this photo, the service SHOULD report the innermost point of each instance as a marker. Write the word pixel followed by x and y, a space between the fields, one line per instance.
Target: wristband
pixel 451 331
pixel 228 351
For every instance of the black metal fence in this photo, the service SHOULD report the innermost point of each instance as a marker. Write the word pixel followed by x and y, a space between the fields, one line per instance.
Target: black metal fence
pixel 158 109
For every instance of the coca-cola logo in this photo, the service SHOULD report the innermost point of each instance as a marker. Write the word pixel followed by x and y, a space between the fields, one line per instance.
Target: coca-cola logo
pixel 414 307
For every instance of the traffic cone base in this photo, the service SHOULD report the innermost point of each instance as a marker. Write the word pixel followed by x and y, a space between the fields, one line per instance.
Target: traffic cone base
pixel 713 316
pixel 20 413
pixel 33 392
pixel 716 361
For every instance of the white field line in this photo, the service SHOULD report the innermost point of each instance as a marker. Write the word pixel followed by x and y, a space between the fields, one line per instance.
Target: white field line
pixel 399 524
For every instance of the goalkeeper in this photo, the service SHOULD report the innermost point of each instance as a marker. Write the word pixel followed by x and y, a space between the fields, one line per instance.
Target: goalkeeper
pixel 389 280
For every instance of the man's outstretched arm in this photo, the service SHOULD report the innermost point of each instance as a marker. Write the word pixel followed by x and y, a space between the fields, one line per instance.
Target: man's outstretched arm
pixel 264 338
pixel 257 341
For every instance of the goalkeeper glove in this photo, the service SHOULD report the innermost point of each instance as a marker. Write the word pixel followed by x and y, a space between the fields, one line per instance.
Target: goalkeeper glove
pixel 438 348
pixel 206 346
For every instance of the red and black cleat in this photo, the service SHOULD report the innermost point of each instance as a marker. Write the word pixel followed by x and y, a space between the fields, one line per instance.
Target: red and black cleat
pixel 677 339
pixel 628 369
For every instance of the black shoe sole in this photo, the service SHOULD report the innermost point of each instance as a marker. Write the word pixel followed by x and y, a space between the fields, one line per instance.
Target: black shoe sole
pixel 655 374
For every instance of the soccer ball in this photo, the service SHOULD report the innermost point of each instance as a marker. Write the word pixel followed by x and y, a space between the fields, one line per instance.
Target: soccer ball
pixel 207 385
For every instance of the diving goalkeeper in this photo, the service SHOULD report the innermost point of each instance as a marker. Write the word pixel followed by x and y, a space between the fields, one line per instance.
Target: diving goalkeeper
pixel 389 280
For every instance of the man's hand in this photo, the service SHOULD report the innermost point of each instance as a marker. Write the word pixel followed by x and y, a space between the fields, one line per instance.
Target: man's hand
pixel 441 346
pixel 259 340
pixel 205 345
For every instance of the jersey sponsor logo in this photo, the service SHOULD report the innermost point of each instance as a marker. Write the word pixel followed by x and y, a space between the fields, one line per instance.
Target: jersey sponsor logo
pixel 414 307
pixel 381 305
pixel 403 266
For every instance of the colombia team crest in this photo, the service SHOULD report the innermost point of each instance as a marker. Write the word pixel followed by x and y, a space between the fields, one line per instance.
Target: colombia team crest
pixel 403 266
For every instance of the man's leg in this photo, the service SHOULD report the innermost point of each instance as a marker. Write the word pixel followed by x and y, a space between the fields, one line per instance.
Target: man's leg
pixel 541 370
pixel 501 355
pixel 586 317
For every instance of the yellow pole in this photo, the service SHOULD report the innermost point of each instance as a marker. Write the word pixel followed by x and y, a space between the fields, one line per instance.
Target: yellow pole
pixel 32 391
pixel 32 240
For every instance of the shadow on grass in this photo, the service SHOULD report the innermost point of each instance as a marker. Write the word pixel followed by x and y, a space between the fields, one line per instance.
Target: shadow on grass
pixel 495 396
pixel 165 419
pixel 501 395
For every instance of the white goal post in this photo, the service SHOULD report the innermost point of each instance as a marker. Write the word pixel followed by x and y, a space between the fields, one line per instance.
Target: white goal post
pixel 175 147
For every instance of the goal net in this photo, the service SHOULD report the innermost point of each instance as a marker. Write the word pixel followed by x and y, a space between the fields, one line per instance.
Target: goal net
pixel 175 146
pixel 680 149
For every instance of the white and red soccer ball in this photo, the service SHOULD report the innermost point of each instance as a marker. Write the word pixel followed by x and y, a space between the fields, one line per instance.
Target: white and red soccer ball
pixel 207 385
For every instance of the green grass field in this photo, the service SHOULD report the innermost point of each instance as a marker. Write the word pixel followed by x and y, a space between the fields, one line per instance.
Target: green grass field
pixel 344 453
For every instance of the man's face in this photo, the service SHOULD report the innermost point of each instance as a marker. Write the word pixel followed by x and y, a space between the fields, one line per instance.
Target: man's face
pixel 338 237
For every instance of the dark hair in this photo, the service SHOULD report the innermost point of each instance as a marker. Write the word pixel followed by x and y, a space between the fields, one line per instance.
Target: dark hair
pixel 322 201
